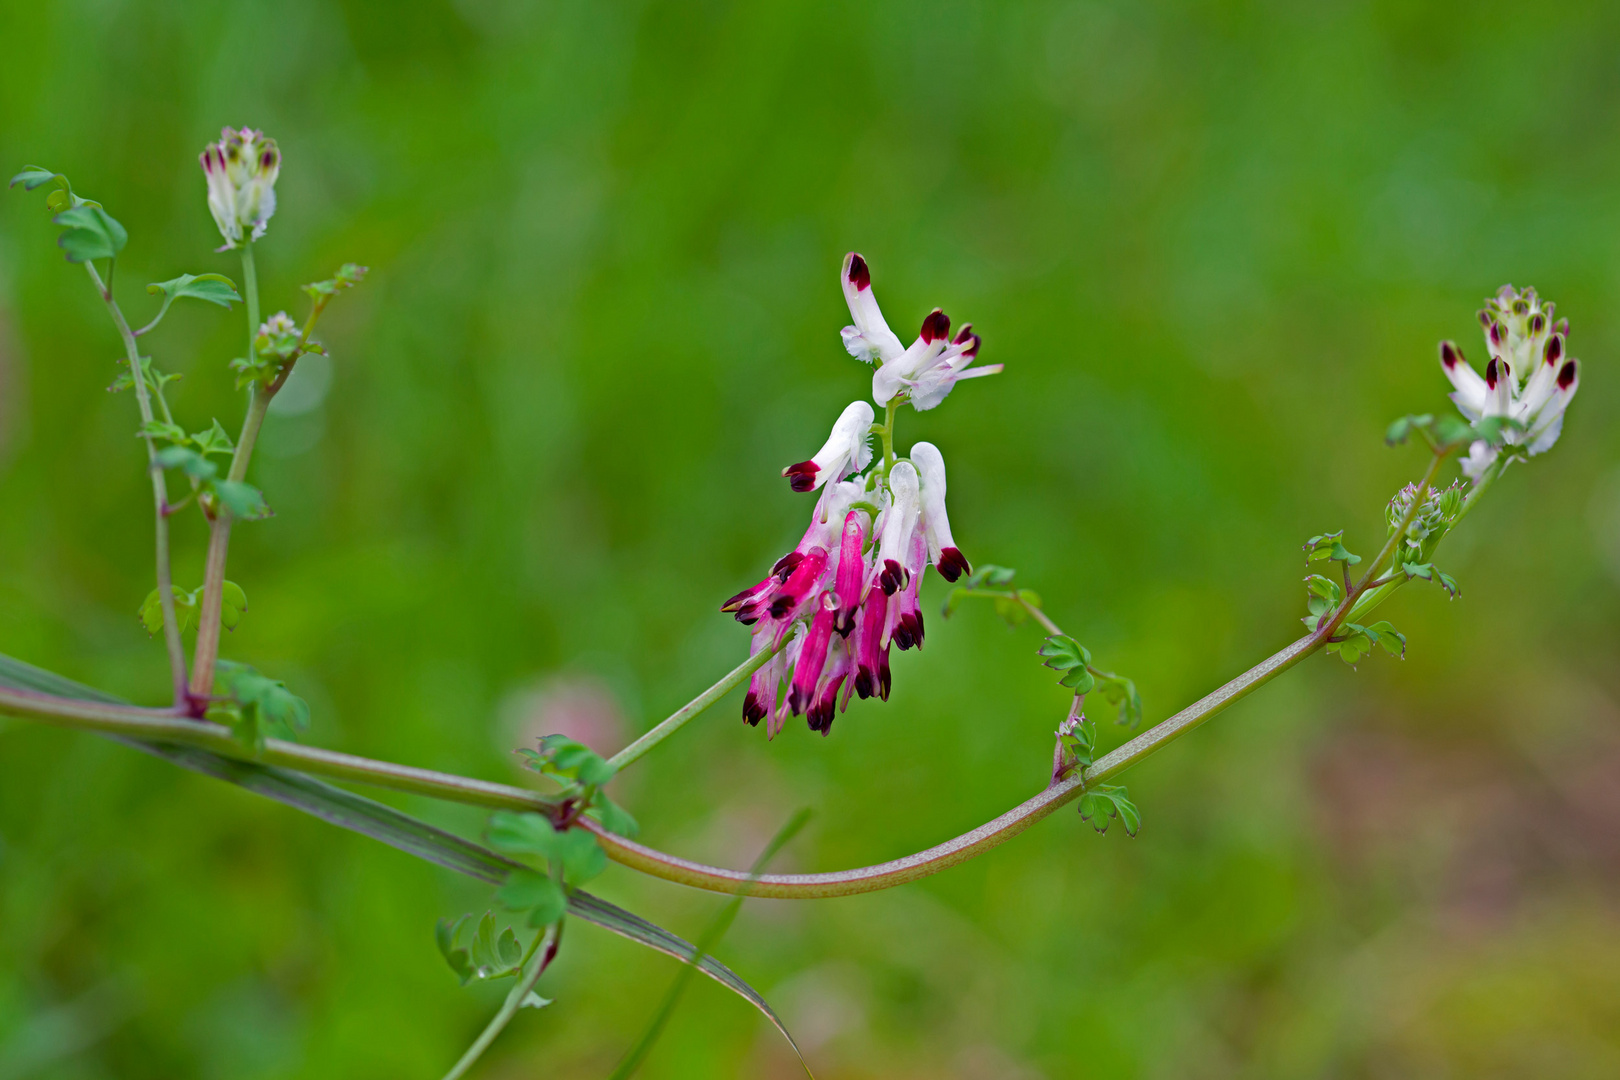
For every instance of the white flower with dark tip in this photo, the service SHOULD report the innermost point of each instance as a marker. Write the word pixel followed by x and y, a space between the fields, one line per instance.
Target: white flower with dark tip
pixel 942 550
pixel 928 370
pixel 241 170
pixel 848 449
pixel 1530 378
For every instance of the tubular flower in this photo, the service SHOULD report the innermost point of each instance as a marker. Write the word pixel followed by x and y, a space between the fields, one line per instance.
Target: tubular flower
pixel 890 569
pixel 1530 378
pixel 241 170
pixel 929 369
pixel 848 449
pixel 942 550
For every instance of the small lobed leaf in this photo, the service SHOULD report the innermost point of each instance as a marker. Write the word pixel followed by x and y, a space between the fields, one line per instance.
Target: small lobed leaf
pixel 32 176
pixel 243 500
pixel 1390 639
pixel 187 460
pixel 614 818
pixel 213 441
pixel 212 288
pixel 89 233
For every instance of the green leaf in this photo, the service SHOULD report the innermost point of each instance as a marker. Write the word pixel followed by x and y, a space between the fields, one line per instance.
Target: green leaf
pixel 536 893
pixel 265 702
pixel 193 463
pixel 1030 597
pixel 445 934
pixel 575 850
pixel 1011 610
pixel 244 500
pixel 1079 680
pixel 1449 583
pixel 161 429
pixel 532 1000
pixel 213 441
pixel 1102 804
pixel 347 277
pixel 507 949
pixel 32 176
pixel 1418 570
pixel 212 288
pixel 1391 639
pixel 989 574
pixel 1449 432
pixel 185 610
pixel 1328 546
pixel 1122 693
pixel 233 605
pixel 614 818
pixel 1062 652
pixel 953 600
pixel 91 233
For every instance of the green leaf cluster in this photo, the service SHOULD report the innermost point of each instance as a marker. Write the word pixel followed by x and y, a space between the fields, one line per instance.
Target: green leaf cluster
pixel 88 231
pixel 489 955
pixel 1322 597
pixel 573 852
pixel 582 771
pixel 233 605
pixel 257 706
pixel 1078 738
pixel 1354 641
pixel 243 500
pixel 347 277
pixel 1329 546
pixel 1063 653
pixel 1104 803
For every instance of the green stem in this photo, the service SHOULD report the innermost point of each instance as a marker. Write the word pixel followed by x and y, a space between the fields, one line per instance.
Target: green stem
pixel 160 492
pixel 205 654
pixel 509 1007
pixel 888 436
pixel 686 712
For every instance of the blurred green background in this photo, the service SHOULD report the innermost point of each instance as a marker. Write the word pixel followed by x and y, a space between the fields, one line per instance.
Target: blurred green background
pixel 1214 245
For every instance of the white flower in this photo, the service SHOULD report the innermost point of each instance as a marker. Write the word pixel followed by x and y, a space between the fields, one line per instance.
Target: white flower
pixel 942 550
pixel 241 170
pixel 847 450
pixel 1530 379
pixel 929 369
pixel 891 568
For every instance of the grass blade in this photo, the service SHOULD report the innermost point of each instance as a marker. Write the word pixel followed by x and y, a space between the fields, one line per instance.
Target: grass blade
pixel 399 830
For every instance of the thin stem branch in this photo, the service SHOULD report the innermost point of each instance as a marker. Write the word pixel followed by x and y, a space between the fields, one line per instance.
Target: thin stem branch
pixel 160 491
pixel 679 717
pixel 168 726
pixel 209 620
pixel 509 1007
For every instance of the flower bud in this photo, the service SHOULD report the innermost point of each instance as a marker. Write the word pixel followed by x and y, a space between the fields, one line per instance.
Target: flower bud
pixel 241 170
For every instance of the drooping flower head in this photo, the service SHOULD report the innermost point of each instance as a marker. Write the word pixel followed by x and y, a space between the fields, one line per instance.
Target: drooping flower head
pixel 241 170
pixel 926 372
pixel 1529 379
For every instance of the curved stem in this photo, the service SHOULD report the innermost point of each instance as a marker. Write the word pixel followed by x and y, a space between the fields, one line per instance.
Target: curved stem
pixel 509 1007
pixel 686 712
pixel 160 491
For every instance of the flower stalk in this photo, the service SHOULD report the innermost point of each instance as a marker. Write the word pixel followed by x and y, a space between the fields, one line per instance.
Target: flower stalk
pixel 160 487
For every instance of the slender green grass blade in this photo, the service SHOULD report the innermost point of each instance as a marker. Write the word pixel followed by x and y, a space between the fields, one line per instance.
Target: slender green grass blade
pixel 399 830
pixel 711 937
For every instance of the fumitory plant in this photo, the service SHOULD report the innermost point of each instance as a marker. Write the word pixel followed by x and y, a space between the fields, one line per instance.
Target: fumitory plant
pixel 822 622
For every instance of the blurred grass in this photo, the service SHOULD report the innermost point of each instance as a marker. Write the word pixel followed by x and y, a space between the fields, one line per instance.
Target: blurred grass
pixel 1214 244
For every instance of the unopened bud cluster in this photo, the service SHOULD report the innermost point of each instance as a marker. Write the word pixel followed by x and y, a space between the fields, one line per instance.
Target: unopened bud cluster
pixel 1433 518
pixel 241 170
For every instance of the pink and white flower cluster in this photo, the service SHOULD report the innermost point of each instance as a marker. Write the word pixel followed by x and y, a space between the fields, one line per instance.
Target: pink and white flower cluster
pixel 1530 378
pixel 851 583
pixel 241 171
pixel 848 591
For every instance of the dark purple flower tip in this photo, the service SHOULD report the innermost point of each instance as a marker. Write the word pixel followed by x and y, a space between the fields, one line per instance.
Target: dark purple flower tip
pixel 937 327
pixel 952 564
pixel 1554 350
pixel 908 631
pixel 865 683
pixel 860 275
pixel 739 600
pixel 883 677
pixel 844 622
pixel 963 334
pixel 1566 376
pixel 753 709
pixel 892 577
pixel 802 477
pixel 782 604
pixel 799 699
pixel 1496 334
pixel 1562 327
pixel 1450 354
pixel 1521 307
pixel 1538 323
pixel 785 565
pixel 1491 372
